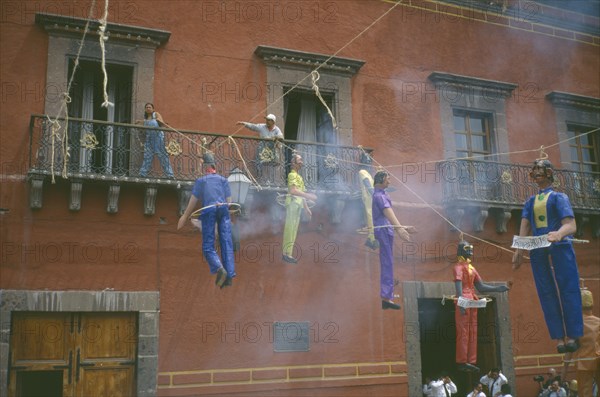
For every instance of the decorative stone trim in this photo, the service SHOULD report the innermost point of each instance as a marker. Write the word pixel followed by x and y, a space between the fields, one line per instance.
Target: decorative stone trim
pixel 113 199
pixel 36 192
pixel 502 216
pixel 75 197
pixel 456 215
pixel 480 215
pixel 566 100
pixel 520 15
pixel 441 79
pixel 74 27
pixel 255 379
pixel 291 58
pixel 150 200
pixel 184 195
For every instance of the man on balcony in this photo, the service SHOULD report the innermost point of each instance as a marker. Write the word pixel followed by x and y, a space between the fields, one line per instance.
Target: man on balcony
pixel 554 268
pixel 268 154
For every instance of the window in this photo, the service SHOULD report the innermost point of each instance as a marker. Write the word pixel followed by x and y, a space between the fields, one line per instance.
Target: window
pixel 584 148
pixel 473 115
pixel 472 134
pixel 110 156
pixel 130 59
pixel 307 120
pixel 576 115
pixel 473 123
pixel 305 117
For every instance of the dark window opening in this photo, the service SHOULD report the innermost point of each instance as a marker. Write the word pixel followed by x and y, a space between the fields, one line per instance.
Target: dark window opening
pixel 99 147
pixel 307 120
pixel 438 342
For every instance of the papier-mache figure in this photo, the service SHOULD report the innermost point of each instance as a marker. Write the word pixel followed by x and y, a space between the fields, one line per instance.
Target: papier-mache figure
pixel 549 213
pixel 467 282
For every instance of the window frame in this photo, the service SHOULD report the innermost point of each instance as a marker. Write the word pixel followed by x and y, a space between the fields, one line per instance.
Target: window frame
pixel 456 92
pixel 487 119
pixel 571 109
pixel 291 68
pixel 593 148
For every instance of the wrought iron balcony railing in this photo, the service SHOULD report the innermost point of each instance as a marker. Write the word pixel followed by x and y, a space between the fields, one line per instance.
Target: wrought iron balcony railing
pixel 114 151
pixel 509 185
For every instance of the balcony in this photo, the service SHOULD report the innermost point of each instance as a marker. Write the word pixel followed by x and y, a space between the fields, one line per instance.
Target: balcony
pixel 112 153
pixel 489 188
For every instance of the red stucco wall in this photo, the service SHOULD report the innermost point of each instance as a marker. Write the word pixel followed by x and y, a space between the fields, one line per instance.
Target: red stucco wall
pixel 335 286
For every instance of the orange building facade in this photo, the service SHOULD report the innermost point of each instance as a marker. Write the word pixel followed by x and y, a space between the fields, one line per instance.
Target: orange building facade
pixel 101 295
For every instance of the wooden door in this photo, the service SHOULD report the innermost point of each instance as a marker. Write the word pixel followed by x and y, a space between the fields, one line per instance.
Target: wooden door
pixel 73 354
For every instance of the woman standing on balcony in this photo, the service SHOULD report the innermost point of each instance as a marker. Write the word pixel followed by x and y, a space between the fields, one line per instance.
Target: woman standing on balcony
pixel 155 142
pixel 554 268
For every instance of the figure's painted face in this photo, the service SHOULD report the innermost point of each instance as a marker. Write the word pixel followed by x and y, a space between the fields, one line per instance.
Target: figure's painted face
pixel 466 251
pixel 542 172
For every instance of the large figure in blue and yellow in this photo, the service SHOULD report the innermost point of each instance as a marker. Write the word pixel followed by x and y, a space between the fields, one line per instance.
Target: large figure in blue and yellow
pixel 467 282
pixel 294 203
pixel 212 193
pixel 554 268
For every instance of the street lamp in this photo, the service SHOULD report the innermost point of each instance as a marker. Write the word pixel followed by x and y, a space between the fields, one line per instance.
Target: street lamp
pixel 239 185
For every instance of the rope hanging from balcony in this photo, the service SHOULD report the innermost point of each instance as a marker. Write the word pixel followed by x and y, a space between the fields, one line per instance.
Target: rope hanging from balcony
pixel 315 77
pixel 66 99
pixel 102 38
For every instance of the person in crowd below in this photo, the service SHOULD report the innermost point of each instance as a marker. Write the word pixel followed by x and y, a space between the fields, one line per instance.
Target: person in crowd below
pixel 467 282
pixel 554 268
pixel 587 358
pixel 554 390
pixel 365 181
pixel 494 381
pixel 155 142
pixel 427 389
pixel 212 193
pixel 268 153
pixel 443 386
pixel 505 391
pixel 477 391
pixel 385 224
pixel 573 389
pixel 545 384
pixel 294 203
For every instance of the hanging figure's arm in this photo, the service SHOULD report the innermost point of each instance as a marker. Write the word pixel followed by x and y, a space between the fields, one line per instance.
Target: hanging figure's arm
pixel 483 287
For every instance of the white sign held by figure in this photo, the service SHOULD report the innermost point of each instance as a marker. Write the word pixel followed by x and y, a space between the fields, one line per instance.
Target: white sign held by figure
pixel 530 242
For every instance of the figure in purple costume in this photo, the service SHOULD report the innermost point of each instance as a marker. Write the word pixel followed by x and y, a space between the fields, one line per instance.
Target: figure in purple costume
pixel 385 223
